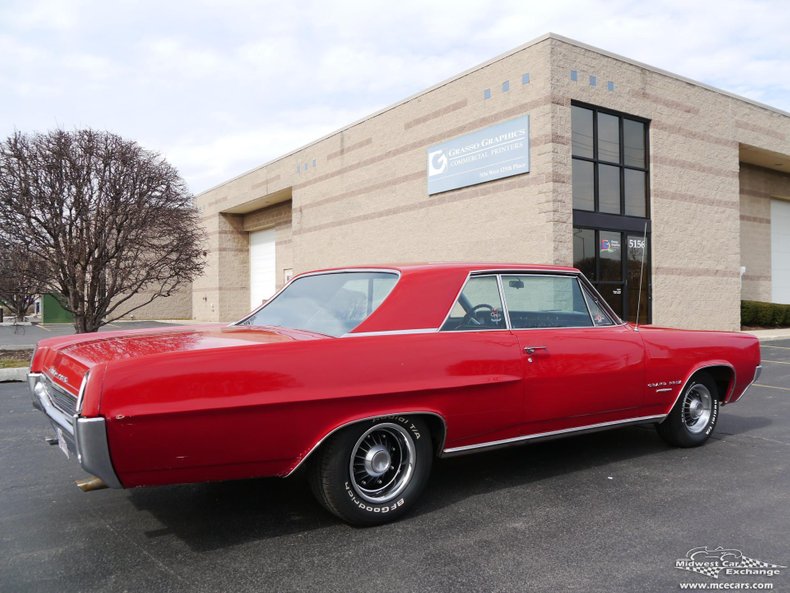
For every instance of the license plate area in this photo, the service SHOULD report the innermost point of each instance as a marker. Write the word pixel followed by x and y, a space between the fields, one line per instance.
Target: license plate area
pixel 62 445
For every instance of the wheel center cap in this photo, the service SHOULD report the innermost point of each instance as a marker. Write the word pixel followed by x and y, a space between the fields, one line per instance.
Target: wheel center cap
pixel 695 408
pixel 377 460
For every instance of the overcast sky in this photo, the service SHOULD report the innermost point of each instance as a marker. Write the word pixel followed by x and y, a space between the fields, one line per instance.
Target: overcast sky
pixel 220 86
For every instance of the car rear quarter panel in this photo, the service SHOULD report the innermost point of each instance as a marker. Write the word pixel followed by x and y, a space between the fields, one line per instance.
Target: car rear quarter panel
pixel 258 411
pixel 674 356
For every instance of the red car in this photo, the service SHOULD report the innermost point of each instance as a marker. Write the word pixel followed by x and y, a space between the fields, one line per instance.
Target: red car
pixel 363 375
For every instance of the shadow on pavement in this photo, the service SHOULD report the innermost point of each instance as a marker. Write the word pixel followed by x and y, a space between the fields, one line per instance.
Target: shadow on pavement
pixel 210 516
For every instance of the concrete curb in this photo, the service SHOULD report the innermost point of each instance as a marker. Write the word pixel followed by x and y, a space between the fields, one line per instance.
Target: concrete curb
pixel 768 335
pixel 16 374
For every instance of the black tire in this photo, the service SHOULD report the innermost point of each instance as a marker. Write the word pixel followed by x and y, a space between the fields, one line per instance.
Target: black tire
pixel 694 416
pixel 392 457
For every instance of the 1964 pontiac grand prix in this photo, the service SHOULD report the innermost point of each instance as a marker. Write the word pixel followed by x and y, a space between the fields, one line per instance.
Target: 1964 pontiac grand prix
pixel 362 376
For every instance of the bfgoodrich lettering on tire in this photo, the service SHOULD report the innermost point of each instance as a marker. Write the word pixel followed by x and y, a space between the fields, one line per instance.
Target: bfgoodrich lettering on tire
pixel 692 420
pixel 373 471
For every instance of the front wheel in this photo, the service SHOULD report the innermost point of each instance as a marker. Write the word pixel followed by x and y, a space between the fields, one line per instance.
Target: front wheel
pixel 373 472
pixel 694 416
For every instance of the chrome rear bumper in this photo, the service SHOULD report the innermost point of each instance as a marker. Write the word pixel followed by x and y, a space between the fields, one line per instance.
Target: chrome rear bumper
pixel 757 372
pixel 86 438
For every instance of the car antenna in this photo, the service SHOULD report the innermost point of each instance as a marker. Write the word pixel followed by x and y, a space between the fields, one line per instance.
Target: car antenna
pixel 641 275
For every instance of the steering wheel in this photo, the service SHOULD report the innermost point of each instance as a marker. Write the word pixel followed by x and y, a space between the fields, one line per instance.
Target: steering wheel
pixel 470 315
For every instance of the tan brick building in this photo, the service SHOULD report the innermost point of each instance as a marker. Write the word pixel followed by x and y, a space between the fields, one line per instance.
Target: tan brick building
pixel 613 146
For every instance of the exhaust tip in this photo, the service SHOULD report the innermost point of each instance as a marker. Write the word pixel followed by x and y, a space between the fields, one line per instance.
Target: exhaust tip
pixel 90 484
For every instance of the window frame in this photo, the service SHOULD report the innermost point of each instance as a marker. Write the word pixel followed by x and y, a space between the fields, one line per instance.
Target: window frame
pixel 622 167
pixel 585 286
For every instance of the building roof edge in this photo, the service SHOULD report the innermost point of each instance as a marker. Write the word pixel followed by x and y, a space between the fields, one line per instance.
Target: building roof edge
pixel 500 57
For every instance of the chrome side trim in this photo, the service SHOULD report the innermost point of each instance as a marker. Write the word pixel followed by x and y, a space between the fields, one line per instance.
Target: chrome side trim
pixel 81 393
pixel 93 452
pixel 392 332
pixel 347 424
pixel 503 300
pixel 552 327
pixel 549 435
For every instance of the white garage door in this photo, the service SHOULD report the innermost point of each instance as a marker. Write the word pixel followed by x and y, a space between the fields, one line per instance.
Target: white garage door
pixel 780 251
pixel 263 272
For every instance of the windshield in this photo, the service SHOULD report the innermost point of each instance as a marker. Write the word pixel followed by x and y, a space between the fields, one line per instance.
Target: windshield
pixel 333 303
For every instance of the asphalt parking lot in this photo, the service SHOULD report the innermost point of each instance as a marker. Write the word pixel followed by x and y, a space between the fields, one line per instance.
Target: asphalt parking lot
pixel 25 336
pixel 603 512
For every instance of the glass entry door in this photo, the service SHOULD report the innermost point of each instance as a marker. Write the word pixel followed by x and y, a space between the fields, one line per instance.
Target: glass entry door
pixel 612 261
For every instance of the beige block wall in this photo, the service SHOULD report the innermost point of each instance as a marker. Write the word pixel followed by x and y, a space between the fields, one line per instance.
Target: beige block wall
pixel 374 208
pixel 177 306
pixel 758 186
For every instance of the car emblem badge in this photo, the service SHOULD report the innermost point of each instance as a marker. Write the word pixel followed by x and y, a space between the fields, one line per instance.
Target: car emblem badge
pixel 57 375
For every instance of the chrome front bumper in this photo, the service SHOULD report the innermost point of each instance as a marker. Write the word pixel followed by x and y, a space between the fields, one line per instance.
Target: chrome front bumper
pixel 86 438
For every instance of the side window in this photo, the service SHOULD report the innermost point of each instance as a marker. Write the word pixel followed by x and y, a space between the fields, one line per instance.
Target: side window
pixel 545 301
pixel 599 314
pixel 478 308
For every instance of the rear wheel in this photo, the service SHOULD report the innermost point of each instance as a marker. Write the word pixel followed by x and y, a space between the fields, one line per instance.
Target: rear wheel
pixel 692 420
pixel 373 472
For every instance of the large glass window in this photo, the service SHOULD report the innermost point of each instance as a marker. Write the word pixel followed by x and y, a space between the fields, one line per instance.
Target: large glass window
pixel 331 304
pixel 615 262
pixel 610 206
pixel 609 162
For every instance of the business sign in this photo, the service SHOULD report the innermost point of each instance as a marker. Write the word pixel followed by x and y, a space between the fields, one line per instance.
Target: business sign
pixel 498 151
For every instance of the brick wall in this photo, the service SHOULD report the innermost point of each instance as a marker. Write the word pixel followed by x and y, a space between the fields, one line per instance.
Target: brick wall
pixel 177 306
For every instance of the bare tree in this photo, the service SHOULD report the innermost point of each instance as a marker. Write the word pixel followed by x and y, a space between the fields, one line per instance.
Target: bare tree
pixel 22 277
pixel 109 218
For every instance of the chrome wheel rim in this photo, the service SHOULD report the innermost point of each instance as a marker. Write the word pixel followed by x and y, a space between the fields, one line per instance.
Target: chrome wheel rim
pixel 382 463
pixel 697 408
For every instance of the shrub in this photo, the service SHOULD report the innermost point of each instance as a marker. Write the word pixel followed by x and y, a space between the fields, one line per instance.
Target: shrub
pixel 759 314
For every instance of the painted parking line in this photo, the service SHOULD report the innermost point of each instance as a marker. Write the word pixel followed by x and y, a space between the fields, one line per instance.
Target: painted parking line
pixel 776 361
pixel 771 387
pixel 780 347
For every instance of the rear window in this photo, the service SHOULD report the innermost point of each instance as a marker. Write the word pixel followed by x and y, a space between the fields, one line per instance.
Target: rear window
pixel 333 303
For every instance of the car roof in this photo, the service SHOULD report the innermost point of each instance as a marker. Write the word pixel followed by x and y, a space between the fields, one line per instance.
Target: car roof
pixel 424 294
pixel 467 267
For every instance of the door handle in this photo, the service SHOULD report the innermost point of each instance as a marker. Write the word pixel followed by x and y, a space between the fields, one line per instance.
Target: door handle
pixel 531 349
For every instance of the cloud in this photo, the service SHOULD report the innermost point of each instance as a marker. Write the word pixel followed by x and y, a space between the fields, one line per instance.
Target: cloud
pixel 219 86
pixel 207 160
